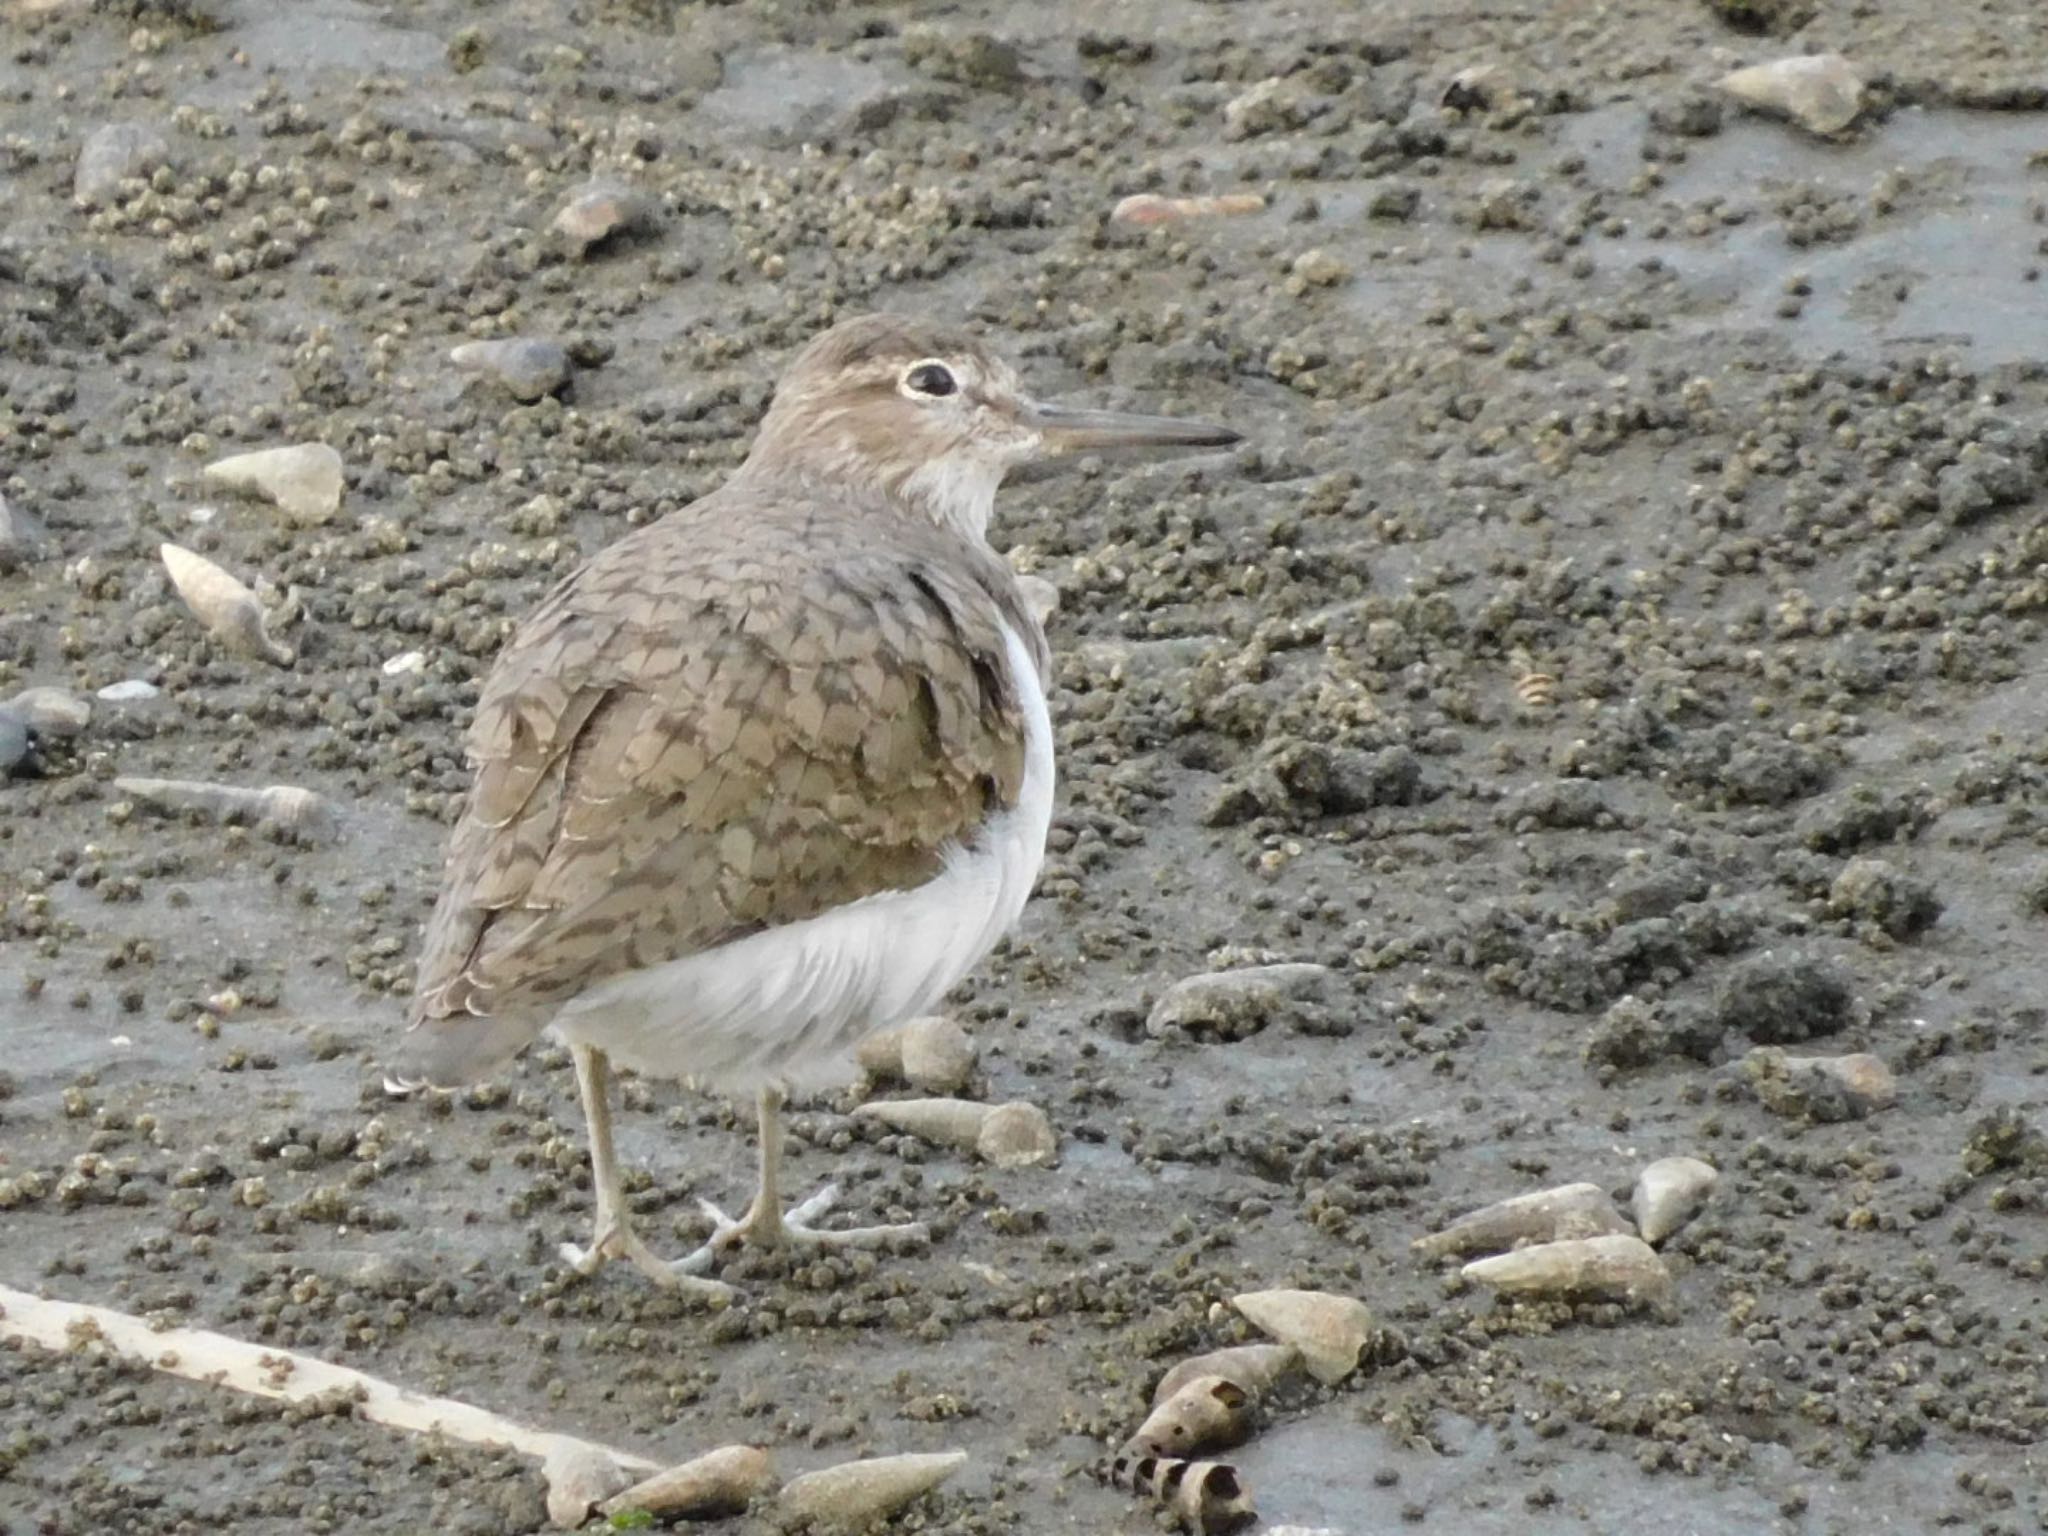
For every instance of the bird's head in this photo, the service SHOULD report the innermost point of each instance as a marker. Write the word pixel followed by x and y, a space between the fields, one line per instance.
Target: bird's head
pixel 933 418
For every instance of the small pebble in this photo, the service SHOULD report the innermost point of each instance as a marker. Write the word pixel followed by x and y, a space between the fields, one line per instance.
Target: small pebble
pixel 132 690
pixel 523 367
pixel 601 210
pixel 52 711
pixel 303 480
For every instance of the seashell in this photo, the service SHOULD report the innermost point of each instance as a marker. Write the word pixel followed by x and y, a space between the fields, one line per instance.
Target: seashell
pixel 1669 1193
pixel 1232 1004
pixel 226 609
pixel 1821 92
pixel 525 368
pixel 281 805
pixel 52 711
pixel 1205 1413
pixel 1010 1135
pixel 1546 1216
pixel 1614 1268
pixel 111 155
pixel 1536 689
pixel 130 690
pixel 302 480
pixel 1040 596
pixel 1257 1368
pixel 720 1482
pixel 1822 1088
pixel 1484 88
pixel 580 1477
pixel 1329 1330
pixel 855 1493
pixel 1207 1498
pixel 601 210
pixel 1150 208
pixel 933 1053
pixel 405 664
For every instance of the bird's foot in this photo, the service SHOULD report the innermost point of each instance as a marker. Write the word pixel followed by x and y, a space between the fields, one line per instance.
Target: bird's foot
pixel 775 1228
pixel 616 1239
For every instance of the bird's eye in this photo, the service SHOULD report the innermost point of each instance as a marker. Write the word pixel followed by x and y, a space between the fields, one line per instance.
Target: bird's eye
pixel 934 379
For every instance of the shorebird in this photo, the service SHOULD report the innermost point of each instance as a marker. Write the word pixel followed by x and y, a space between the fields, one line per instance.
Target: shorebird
pixel 768 774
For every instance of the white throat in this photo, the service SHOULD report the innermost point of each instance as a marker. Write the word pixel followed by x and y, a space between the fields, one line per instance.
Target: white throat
pixel 959 490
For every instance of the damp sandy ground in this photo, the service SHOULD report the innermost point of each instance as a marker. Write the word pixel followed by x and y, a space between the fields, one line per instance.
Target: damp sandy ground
pixel 1620 637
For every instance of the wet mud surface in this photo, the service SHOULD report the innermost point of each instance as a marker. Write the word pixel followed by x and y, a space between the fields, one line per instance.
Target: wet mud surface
pixel 1618 648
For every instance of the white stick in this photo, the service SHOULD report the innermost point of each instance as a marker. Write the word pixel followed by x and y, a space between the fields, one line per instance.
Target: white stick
pixel 577 1470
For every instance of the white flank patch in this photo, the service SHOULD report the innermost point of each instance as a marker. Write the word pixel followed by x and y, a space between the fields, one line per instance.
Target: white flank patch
pixel 787 1005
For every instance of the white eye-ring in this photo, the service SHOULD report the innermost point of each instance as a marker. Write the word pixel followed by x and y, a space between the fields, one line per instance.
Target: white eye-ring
pixel 930 379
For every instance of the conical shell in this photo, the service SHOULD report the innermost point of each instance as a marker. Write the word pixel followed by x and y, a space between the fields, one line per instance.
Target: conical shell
pixel 579 1478
pixel 1329 1330
pixel 281 805
pixel 1821 92
pixel 1546 1216
pixel 1669 1193
pixel 1616 1268
pixel 854 1493
pixel 1008 1135
pixel 302 480
pixel 225 608
pixel 1206 1413
pixel 720 1482
pixel 596 212
pixel 1257 1368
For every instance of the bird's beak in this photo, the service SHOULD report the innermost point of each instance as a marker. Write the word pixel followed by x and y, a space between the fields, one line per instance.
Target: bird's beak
pixel 1064 429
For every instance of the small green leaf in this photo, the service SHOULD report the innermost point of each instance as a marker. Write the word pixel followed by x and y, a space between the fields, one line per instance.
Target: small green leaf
pixel 630 1520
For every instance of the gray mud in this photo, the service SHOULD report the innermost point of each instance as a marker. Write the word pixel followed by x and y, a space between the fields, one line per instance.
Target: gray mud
pixel 1645 519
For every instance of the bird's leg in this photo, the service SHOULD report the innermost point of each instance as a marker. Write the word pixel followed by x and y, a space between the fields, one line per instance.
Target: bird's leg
pixel 766 1226
pixel 614 1237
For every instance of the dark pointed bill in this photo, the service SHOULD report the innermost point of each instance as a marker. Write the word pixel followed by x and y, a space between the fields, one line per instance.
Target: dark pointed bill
pixel 1069 430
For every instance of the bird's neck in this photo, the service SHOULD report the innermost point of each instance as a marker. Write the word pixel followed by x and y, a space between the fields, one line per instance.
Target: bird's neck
pixel 956 493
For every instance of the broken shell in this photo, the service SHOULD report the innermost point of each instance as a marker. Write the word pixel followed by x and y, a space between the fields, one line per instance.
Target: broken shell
pixel 1150 208
pixel 1546 1216
pixel 130 690
pixel 720 1482
pixel 854 1493
pixel 933 1053
pixel 1615 1268
pixel 1208 1498
pixel 226 609
pixel 1329 1330
pixel 601 210
pixel 302 480
pixel 1822 1088
pixel 1040 596
pixel 281 805
pixel 1482 87
pixel 579 1478
pixel 525 368
pixel 1257 1368
pixel 406 663
pixel 1206 1413
pixel 1009 1135
pixel 52 711
pixel 1821 92
pixel 1669 1193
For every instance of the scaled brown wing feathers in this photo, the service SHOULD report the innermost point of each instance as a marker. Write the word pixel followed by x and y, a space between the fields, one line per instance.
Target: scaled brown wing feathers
pixel 694 739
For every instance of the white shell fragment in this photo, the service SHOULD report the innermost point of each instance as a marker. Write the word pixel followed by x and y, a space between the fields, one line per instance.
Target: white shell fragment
pixel 1151 208
pixel 130 690
pixel 718 1483
pixel 855 1493
pixel 1206 1413
pixel 225 608
pixel 1207 1498
pixel 933 1053
pixel 281 805
pixel 601 210
pixel 1669 1193
pixel 406 664
pixel 1546 1216
pixel 1040 596
pixel 1328 1329
pixel 51 711
pixel 1823 1088
pixel 1613 1268
pixel 1821 92
pixel 1257 1368
pixel 302 480
pixel 1012 1135
pixel 525 368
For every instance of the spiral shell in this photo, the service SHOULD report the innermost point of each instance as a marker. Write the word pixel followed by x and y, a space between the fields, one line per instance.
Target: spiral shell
pixel 720 1482
pixel 225 608
pixel 853 1494
pixel 1207 1498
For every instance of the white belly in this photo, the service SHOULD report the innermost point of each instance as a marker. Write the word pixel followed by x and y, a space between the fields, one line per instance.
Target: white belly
pixel 787 1005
